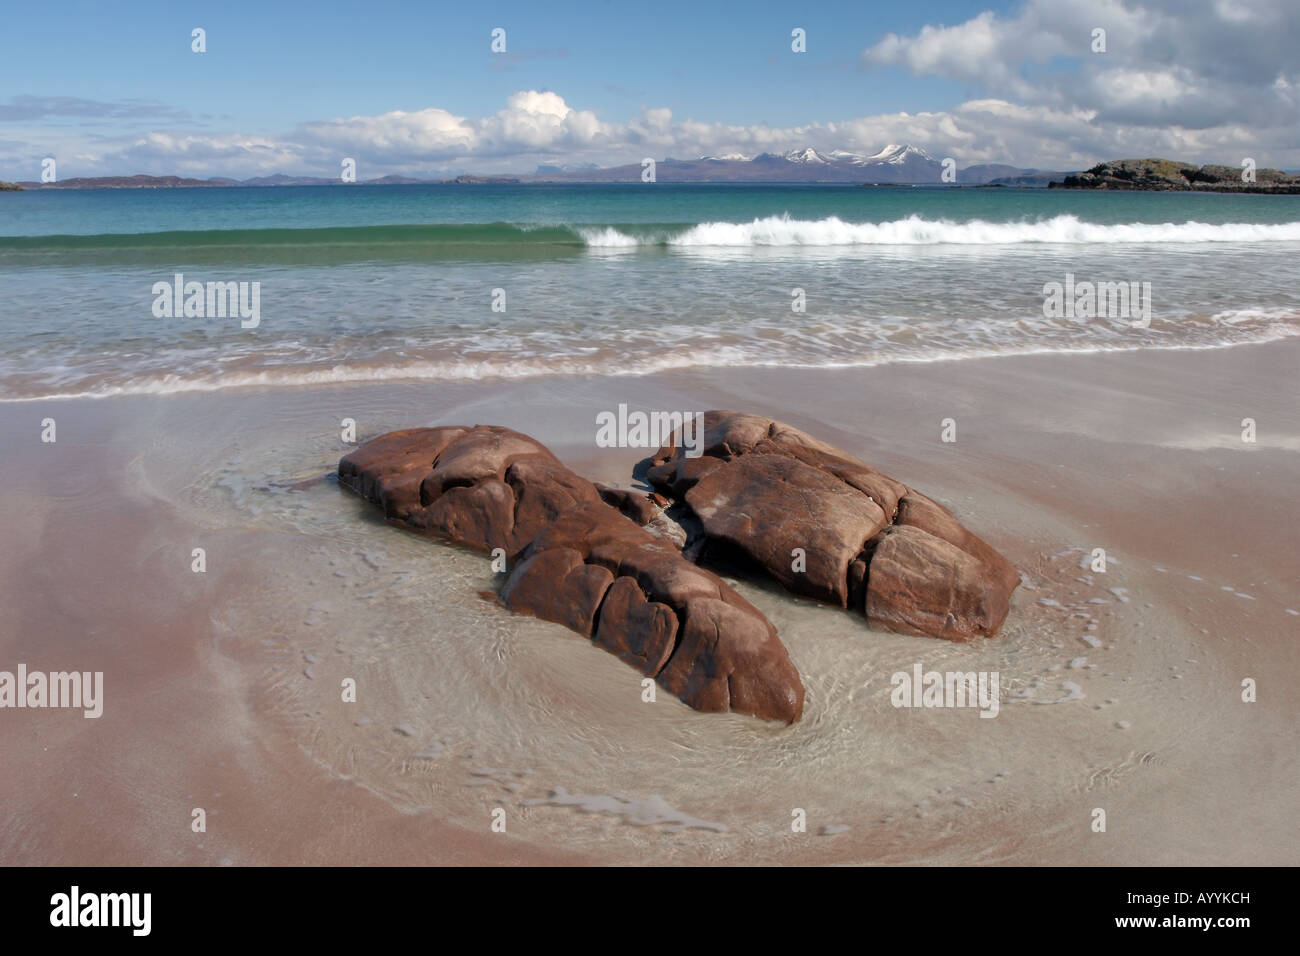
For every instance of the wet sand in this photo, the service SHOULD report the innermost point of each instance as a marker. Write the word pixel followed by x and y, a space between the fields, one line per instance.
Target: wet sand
pixel 1121 691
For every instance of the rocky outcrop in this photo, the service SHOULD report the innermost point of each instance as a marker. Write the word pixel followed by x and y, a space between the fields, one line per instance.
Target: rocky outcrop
pixel 582 562
pixel 829 526
pixel 618 567
pixel 1168 174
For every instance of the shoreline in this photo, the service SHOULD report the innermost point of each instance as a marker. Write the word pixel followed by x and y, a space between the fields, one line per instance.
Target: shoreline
pixel 210 701
pixel 725 372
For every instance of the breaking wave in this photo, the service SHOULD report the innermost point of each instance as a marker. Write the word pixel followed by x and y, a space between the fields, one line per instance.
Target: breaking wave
pixel 777 231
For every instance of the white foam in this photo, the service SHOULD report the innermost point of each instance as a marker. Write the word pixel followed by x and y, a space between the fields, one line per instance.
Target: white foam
pixel 608 238
pixel 642 812
pixel 917 231
pixel 143 382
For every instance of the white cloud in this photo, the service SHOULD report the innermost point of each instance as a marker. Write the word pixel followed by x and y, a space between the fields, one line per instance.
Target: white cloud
pixel 532 122
pixel 1196 80
pixel 198 155
pixel 429 131
pixel 541 127
pixel 1192 64
pixel 982 50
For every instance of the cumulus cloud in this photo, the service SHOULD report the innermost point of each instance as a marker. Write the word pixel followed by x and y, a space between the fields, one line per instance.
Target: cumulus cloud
pixel 532 122
pixel 982 50
pixel 1189 64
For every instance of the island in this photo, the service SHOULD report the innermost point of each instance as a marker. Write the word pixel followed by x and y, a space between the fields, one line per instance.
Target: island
pixel 1171 175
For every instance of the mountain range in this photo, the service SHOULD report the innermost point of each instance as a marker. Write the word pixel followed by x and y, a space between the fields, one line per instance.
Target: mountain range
pixel 895 164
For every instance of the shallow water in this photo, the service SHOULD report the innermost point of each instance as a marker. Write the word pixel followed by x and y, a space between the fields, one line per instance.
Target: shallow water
pixel 464 708
pixel 437 283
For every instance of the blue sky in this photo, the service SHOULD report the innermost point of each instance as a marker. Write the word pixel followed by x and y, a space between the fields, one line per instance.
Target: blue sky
pixel 414 87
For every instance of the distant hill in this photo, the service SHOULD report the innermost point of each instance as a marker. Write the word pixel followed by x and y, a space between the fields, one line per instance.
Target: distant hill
pixel 1034 180
pixel 547 169
pixel 473 180
pixel 989 172
pixel 279 179
pixel 9 187
pixel 128 182
pixel 1171 175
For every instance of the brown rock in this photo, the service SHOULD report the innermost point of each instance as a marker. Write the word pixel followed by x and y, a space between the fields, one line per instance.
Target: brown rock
pixel 639 507
pixel 578 561
pixel 557 586
pixel 481 515
pixel 923 584
pixel 733 659
pixel 729 435
pixel 764 488
pixel 388 470
pixel 486 487
pixel 729 658
pixel 642 633
pixel 770 507
pixel 917 510
pixel 482 452
pixel 544 489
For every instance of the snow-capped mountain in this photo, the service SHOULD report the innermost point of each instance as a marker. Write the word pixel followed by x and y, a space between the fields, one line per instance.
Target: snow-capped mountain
pixel 895 164
pixel 892 155
pixel 896 155
pixel 808 156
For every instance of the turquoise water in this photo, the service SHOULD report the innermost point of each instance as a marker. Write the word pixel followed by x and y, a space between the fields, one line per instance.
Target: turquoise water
pixel 400 282
pixel 109 211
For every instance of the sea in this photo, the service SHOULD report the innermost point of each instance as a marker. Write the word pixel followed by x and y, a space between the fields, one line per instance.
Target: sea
pixel 452 282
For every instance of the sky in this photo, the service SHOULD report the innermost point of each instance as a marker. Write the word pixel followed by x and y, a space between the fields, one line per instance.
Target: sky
pixel 416 89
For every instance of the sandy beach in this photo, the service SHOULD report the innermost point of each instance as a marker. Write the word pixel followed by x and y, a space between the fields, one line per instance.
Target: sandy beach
pixel 1120 690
